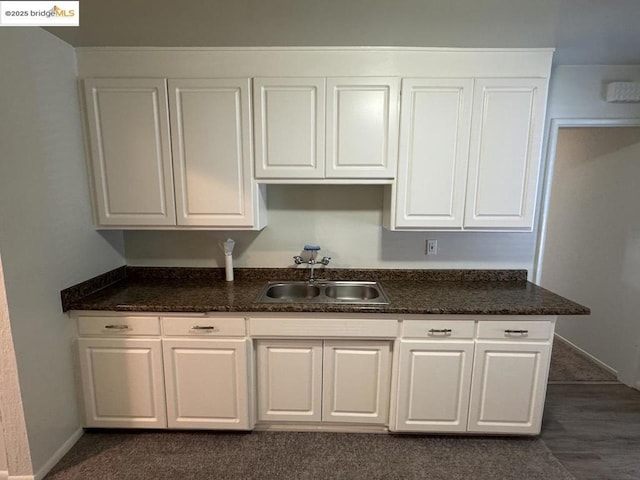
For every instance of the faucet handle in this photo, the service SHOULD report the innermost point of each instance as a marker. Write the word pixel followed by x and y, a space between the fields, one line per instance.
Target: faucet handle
pixel 297 259
pixel 325 260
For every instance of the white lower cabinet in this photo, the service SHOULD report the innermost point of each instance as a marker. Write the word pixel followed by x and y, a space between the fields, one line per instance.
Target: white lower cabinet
pixel 509 387
pixel 433 385
pixel 289 380
pixel 356 381
pixel 343 381
pixel 159 378
pixel 487 376
pixel 207 383
pixel 122 382
pixel 451 374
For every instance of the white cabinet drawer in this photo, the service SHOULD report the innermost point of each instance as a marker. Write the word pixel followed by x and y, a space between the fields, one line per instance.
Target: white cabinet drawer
pixel 209 326
pixel 506 330
pixel 118 326
pixel 434 329
pixel 323 327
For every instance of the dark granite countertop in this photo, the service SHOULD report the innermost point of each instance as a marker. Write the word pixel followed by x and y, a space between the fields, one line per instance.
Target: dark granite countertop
pixel 155 289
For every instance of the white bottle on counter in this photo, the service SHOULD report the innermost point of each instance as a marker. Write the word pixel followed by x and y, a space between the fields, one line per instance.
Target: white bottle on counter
pixel 228 259
pixel 228 267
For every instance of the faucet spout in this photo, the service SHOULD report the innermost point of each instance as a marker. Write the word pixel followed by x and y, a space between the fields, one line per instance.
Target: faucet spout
pixel 313 252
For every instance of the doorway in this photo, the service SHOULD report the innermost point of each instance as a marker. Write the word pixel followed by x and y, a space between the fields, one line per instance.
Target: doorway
pixel 589 240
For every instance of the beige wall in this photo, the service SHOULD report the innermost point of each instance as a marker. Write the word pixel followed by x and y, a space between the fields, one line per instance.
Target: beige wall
pixel 346 222
pixel 46 238
pixel 592 247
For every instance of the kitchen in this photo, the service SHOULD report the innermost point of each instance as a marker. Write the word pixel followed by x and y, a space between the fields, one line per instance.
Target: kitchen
pixel 46 204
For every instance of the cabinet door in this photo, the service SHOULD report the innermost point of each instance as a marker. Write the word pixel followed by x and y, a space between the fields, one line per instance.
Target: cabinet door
pixel 122 382
pixel 207 383
pixel 433 386
pixel 356 381
pixel 289 380
pixel 506 137
pixel 434 148
pixel 212 157
pixel 289 118
pixel 128 126
pixel 509 386
pixel 362 127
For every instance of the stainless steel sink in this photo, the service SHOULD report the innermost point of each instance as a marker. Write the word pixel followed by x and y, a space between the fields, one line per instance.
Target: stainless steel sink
pixel 355 292
pixel 289 291
pixel 323 292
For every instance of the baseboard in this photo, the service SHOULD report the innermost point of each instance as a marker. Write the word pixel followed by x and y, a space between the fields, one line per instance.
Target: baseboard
pixel 55 458
pixel 21 477
pixel 587 354
pixel 316 427
pixel 4 475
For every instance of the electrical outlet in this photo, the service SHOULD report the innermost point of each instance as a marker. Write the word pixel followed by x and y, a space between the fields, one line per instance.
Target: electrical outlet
pixel 432 247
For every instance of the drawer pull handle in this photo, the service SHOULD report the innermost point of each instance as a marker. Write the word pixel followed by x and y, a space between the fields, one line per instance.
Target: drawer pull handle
pixel 117 327
pixel 203 327
pixel 516 332
pixel 444 331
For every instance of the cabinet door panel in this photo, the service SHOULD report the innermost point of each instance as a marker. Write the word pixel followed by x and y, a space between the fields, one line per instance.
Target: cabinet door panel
pixel 362 127
pixel 211 143
pixel 509 386
pixel 434 148
pixel 289 115
pixel 123 384
pixel 434 385
pixel 207 383
pixel 289 380
pixel 356 382
pixel 128 126
pixel 506 136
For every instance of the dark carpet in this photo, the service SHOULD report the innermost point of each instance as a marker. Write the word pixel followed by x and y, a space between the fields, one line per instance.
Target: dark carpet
pixel 142 455
pixel 570 365
pixel 290 455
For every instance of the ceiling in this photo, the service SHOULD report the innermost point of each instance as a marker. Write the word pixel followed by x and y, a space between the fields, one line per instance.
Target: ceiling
pixel 582 31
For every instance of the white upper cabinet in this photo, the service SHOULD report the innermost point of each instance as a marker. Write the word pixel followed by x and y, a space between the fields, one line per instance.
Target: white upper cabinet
pixel 362 127
pixel 130 151
pixel 469 154
pixel 351 135
pixel 434 147
pixel 136 157
pixel 506 136
pixel 211 143
pixel 289 127
pixel 458 146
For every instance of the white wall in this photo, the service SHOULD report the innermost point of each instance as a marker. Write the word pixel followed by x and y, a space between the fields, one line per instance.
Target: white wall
pixel 583 31
pixel 576 95
pixel 592 247
pixel 46 239
pixel 346 222
pixel 577 91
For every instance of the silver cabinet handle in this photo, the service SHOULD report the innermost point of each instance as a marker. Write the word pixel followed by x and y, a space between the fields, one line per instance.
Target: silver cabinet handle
pixel 203 327
pixel 516 332
pixel 444 331
pixel 117 327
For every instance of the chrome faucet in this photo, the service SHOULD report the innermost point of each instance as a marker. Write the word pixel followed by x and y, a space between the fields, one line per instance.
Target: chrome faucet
pixel 313 252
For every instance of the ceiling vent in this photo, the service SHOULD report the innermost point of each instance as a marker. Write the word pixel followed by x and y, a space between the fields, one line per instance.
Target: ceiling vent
pixel 623 92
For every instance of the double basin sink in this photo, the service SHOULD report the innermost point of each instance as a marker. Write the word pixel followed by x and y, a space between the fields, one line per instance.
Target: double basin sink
pixel 323 291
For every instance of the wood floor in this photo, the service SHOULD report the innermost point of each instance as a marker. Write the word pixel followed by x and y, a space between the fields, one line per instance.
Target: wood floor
pixel 594 430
